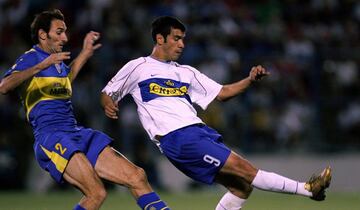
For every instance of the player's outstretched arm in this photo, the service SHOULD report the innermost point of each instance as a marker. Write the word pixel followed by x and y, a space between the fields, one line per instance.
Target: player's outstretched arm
pixel 89 46
pixel 231 90
pixel 110 107
pixel 17 77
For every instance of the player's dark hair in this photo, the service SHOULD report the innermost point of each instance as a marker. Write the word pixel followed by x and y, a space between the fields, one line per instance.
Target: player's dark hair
pixel 162 25
pixel 43 21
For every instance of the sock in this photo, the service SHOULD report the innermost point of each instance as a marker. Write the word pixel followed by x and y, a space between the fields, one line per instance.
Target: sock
pixel 230 202
pixel 78 207
pixel 276 183
pixel 151 201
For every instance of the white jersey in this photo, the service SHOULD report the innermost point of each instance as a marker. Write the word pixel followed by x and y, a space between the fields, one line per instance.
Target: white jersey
pixel 164 93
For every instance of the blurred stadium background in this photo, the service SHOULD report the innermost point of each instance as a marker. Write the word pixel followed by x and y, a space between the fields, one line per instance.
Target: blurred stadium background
pixel 305 116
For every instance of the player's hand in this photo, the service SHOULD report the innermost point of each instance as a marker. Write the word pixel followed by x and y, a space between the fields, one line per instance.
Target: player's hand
pixel 257 73
pixel 110 107
pixel 90 45
pixel 111 110
pixel 55 58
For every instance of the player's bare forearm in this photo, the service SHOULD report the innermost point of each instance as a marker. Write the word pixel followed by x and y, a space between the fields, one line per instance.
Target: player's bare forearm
pixel 15 79
pixel 110 107
pixel 89 47
pixel 231 90
pixel 77 64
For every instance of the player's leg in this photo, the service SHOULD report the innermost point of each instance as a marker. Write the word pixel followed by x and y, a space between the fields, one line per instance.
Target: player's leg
pixel 238 166
pixel 199 153
pixel 60 154
pixel 238 192
pixel 113 166
pixel 80 173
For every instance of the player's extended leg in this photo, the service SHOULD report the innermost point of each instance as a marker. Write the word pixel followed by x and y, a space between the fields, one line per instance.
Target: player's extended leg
pixel 114 167
pixel 80 173
pixel 314 188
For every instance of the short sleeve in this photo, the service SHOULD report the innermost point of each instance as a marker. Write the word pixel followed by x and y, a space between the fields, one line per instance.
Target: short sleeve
pixel 203 90
pixel 27 60
pixel 124 81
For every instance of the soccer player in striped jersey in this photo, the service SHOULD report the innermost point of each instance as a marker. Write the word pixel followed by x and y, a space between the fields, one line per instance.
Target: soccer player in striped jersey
pixel 69 152
pixel 165 92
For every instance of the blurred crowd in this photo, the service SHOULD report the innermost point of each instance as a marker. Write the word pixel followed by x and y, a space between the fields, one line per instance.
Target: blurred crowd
pixel 309 104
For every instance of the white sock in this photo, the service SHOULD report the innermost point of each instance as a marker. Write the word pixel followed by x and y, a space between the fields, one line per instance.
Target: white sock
pixel 230 202
pixel 273 182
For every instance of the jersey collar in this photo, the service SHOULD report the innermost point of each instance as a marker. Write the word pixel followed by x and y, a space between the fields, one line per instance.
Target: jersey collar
pixel 37 48
pixel 162 61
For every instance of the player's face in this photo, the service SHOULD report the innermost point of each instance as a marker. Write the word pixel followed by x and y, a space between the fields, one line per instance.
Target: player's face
pixel 174 45
pixel 56 38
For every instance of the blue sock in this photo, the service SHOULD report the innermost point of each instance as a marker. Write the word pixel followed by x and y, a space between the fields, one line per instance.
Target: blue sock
pixel 78 207
pixel 150 201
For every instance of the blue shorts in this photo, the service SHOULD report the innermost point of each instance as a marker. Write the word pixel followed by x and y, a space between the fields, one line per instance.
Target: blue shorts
pixel 54 149
pixel 196 150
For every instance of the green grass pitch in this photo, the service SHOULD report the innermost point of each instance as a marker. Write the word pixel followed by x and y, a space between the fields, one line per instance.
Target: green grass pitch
pixel 179 201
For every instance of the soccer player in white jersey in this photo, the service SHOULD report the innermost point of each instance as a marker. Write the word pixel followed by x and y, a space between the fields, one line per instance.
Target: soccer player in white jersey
pixel 165 91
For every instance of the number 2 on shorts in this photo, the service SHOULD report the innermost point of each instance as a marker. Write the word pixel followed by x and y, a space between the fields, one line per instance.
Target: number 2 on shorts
pixel 60 148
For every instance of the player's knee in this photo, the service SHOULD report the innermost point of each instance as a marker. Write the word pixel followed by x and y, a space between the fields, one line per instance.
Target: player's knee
pixel 246 171
pixel 102 194
pixel 240 167
pixel 247 190
pixel 98 195
pixel 240 188
pixel 138 178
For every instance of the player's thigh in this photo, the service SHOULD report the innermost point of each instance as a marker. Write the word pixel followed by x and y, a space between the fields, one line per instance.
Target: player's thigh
pixel 113 166
pixel 239 166
pixel 80 173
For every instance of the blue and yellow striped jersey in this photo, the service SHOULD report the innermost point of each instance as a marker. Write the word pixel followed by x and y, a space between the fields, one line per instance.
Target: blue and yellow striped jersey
pixel 45 96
